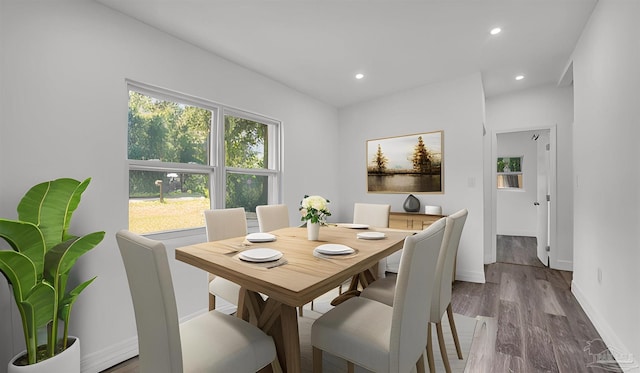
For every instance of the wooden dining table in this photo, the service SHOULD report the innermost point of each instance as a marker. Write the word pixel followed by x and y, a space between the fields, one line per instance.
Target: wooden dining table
pixel 271 292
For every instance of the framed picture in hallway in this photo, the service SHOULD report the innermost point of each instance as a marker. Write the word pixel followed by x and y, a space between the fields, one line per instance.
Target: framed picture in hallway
pixel 406 164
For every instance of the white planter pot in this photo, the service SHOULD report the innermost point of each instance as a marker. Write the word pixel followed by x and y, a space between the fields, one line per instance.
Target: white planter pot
pixel 68 361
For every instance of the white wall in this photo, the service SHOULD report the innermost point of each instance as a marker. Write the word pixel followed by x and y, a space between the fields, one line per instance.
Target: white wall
pixel 63 113
pixel 541 107
pixel 455 107
pixel 607 185
pixel 516 213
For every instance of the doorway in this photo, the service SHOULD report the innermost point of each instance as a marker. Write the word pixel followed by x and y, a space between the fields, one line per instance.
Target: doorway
pixel 523 196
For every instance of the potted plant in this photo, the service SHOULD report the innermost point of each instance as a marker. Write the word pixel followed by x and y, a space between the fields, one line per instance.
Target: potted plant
pixel 38 269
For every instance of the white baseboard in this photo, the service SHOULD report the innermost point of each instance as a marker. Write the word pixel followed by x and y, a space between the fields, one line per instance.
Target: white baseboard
pixel 110 356
pixel 563 265
pixel 470 276
pixel 623 356
pixel 125 350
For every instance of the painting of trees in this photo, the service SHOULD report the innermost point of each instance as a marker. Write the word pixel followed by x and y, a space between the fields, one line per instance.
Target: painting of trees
pixel 410 163
pixel 421 160
pixel 380 161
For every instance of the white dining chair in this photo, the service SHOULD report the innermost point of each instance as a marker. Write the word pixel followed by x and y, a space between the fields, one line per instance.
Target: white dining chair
pixel 384 290
pixel 222 224
pixel 377 336
pixel 272 217
pixel 377 216
pixel 211 342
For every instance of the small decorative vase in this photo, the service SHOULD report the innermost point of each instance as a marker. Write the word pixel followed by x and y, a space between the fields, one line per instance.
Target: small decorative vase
pixel 411 204
pixel 313 230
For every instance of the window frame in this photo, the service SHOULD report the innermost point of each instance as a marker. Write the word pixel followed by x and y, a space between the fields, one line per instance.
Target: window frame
pixel 275 157
pixel 216 169
pixel 520 173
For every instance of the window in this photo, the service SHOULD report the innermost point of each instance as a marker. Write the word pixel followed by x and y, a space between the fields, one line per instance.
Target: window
pixel 251 170
pixel 509 173
pixel 181 162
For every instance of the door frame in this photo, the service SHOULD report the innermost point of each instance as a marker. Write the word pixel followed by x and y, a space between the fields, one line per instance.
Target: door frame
pixel 553 254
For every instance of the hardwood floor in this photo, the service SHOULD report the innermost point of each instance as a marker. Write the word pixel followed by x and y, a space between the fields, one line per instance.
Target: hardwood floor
pixel 540 325
pixel 517 250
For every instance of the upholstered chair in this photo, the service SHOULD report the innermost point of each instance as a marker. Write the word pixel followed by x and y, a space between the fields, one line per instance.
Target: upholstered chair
pixel 384 290
pixel 220 225
pixel 374 215
pixel 211 342
pixel 272 217
pixel 377 336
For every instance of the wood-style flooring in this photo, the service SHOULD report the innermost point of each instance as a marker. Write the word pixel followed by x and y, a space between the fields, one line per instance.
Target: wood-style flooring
pixel 540 325
pixel 517 250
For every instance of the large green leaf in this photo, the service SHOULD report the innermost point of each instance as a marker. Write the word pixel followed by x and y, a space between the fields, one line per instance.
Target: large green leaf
pixel 64 307
pixel 58 263
pixel 39 309
pixel 19 271
pixel 60 259
pixel 42 300
pixel 50 206
pixel 26 238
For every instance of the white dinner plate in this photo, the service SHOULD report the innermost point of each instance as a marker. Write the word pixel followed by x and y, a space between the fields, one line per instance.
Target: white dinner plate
pixel 334 249
pixel 260 237
pixel 260 255
pixel 354 226
pixel 371 235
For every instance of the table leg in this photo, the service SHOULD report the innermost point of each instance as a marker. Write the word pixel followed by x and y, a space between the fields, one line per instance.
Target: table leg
pixel 278 320
pixel 291 338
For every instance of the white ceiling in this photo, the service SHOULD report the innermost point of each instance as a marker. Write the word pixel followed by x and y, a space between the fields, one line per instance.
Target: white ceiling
pixel 317 46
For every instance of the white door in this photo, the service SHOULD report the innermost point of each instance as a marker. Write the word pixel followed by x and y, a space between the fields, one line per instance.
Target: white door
pixel 543 196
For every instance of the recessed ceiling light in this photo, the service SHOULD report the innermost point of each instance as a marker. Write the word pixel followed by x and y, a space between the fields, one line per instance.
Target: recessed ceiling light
pixel 495 31
pixel 359 76
pixel 519 77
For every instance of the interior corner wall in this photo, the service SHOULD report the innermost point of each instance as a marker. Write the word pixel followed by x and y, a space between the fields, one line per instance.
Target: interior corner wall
pixel 540 107
pixel 63 113
pixel 607 177
pixel 456 107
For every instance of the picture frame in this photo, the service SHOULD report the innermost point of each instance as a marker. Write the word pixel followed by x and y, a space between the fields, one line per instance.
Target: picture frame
pixel 406 164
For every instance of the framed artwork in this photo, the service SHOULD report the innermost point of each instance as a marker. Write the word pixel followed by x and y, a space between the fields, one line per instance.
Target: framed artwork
pixel 406 164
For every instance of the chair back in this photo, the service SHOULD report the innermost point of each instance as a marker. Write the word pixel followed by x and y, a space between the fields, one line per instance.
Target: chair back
pixel 412 297
pixel 375 215
pixel 446 262
pixel 272 217
pixel 154 303
pixel 225 223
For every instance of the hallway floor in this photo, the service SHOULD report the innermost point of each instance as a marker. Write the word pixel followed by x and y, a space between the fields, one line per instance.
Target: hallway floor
pixel 541 326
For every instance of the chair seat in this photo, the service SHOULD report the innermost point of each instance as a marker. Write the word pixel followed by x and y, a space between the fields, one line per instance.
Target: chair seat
pixel 358 330
pixel 225 289
pixel 382 290
pixel 240 346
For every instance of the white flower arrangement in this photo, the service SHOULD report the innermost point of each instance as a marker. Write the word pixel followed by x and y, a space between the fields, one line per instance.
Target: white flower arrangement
pixel 314 209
